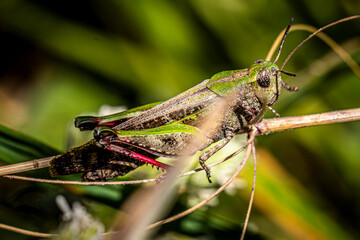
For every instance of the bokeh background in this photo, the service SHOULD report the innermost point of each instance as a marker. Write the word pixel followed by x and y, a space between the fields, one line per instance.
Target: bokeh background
pixel 61 59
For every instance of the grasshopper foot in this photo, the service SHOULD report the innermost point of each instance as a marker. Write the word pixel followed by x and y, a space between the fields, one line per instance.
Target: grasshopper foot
pixel 206 169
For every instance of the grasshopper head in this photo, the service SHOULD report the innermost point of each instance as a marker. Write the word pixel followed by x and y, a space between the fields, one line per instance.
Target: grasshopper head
pixel 265 77
pixel 266 81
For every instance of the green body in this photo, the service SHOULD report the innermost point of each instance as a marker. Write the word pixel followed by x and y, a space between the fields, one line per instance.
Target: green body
pixel 190 109
pixel 165 129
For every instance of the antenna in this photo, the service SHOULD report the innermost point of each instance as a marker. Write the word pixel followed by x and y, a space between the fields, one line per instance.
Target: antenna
pixel 283 39
pixel 313 34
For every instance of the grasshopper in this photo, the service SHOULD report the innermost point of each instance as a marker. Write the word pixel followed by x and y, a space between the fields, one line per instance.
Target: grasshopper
pixel 126 140
pixel 164 129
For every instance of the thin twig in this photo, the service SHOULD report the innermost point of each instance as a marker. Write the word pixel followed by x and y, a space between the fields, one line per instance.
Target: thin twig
pixel 251 195
pixel 30 179
pixel 26 232
pixel 216 163
pixel 25 166
pixel 267 126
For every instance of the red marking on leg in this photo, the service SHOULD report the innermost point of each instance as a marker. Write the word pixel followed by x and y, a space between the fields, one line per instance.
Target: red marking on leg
pixel 137 156
pixel 124 141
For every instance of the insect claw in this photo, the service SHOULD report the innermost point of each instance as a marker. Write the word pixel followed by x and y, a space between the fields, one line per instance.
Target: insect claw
pixel 207 171
pixel 208 177
pixel 273 110
pixel 287 87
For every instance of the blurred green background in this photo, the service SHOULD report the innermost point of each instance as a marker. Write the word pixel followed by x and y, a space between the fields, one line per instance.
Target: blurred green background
pixel 61 59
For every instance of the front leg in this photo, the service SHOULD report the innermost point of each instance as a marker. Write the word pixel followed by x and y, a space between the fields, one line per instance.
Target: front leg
pixel 229 134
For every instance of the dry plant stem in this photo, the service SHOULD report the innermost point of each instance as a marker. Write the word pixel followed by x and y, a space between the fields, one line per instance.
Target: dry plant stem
pixel 30 179
pixel 25 166
pixel 26 232
pixel 264 127
pixel 217 192
pixel 286 123
pixel 251 195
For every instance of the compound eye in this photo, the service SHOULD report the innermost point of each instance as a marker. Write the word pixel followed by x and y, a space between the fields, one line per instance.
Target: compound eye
pixel 259 61
pixel 263 78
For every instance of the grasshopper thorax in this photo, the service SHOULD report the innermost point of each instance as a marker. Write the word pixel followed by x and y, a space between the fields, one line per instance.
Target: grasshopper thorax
pixel 266 81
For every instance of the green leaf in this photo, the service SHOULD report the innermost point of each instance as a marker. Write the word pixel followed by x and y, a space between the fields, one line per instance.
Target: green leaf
pixel 17 147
